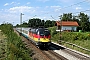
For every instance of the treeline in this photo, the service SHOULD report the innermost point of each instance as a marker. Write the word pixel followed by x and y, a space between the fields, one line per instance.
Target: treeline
pixel 36 22
pixel 81 18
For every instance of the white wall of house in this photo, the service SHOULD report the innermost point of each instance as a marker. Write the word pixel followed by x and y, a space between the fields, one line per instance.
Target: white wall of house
pixel 69 28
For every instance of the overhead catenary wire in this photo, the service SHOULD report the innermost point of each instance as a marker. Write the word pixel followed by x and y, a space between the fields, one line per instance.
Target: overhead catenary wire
pixel 67 7
pixel 71 5
pixel 74 4
pixel 81 11
pixel 53 17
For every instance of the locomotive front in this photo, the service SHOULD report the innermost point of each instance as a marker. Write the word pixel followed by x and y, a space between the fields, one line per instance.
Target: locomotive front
pixel 40 36
pixel 43 37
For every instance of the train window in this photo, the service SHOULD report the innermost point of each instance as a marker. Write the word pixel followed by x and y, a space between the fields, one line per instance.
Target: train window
pixel 44 32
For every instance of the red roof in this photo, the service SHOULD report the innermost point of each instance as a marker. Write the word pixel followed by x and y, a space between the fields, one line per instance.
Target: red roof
pixel 67 23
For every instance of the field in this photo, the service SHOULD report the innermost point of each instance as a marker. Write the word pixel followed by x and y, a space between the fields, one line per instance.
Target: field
pixel 81 39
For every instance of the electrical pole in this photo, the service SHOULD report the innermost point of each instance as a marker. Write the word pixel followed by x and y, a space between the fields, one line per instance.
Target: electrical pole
pixel 60 27
pixel 21 21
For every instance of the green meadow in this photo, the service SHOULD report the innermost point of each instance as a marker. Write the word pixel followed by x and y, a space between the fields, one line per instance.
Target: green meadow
pixel 78 38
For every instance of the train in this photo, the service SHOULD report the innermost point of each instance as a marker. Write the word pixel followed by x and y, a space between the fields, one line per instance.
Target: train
pixel 39 36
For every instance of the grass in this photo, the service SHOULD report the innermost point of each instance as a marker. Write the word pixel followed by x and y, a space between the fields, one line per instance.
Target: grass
pixel 15 47
pixel 3 46
pixel 79 38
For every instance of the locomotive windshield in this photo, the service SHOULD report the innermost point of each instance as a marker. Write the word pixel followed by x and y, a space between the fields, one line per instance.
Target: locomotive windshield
pixel 43 32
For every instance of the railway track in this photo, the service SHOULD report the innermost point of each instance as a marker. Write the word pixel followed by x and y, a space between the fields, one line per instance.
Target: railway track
pixel 54 56
pixel 68 53
pixel 42 54
pixel 35 50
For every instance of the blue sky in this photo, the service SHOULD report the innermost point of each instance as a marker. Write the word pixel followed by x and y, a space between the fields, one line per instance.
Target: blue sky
pixel 10 9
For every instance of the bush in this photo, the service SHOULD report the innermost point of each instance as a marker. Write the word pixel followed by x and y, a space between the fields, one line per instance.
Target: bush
pixel 53 31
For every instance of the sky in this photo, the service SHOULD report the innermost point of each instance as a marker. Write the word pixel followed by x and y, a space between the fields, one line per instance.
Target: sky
pixel 10 10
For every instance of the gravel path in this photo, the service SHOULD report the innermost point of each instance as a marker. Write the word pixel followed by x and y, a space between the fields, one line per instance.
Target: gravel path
pixel 3 46
pixel 71 54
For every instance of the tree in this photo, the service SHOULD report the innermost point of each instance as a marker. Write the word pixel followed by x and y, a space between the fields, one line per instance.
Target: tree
pixel 25 24
pixel 35 22
pixel 48 23
pixel 84 20
pixel 66 17
pixel 42 23
pixel 17 25
pixel 53 23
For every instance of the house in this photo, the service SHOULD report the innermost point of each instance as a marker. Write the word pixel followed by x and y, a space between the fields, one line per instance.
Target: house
pixel 66 25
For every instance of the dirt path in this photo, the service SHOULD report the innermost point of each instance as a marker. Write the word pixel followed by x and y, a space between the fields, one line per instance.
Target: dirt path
pixel 3 46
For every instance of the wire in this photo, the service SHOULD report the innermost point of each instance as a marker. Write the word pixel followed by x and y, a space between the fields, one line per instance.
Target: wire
pixel 53 18
pixel 81 11
pixel 75 4
pixel 69 6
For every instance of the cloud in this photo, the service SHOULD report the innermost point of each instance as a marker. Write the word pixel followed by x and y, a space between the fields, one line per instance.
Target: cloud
pixel 8 18
pixel 15 3
pixel 56 8
pixel 28 2
pixel 43 0
pixel 19 9
pixel 88 1
pixel 65 1
pixel 78 8
pixel 12 3
pixel 2 9
pixel 6 4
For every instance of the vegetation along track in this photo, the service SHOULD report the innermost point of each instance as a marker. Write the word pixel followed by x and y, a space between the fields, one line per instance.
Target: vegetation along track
pixel 41 54
pixel 3 46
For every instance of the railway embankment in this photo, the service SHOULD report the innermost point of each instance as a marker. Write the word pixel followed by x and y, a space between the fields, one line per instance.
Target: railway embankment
pixel 16 49
pixel 3 46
